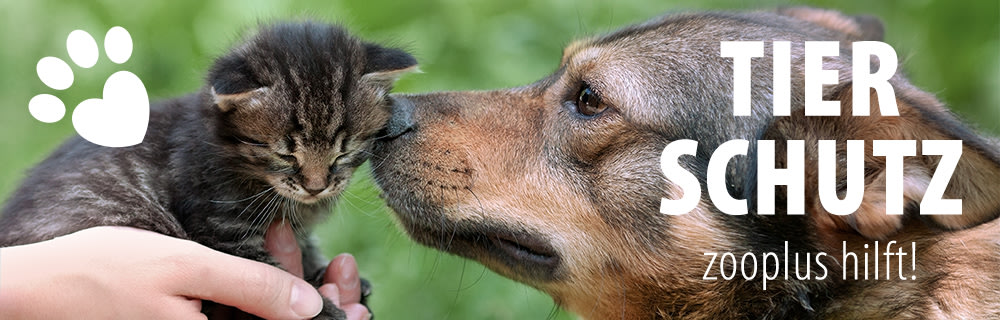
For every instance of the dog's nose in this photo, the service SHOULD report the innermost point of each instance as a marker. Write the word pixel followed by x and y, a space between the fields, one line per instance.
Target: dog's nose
pixel 401 120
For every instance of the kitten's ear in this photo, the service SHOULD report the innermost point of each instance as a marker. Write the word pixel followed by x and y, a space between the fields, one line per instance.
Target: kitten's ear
pixel 228 102
pixel 387 64
pixel 234 83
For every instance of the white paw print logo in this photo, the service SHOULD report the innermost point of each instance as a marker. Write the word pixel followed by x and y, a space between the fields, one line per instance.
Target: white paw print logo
pixel 120 118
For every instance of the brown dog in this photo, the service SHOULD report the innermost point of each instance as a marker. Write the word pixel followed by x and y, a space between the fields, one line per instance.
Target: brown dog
pixel 558 184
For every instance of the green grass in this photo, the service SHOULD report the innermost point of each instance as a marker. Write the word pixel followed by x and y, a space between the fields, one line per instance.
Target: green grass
pixel 949 48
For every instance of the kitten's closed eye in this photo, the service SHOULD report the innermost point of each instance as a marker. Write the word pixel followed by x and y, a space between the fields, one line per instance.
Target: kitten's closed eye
pixel 340 158
pixel 289 158
pixel 251 141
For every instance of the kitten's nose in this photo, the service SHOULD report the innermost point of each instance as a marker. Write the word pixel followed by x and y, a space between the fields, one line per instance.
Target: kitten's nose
pixel 401 120
pixel 314 183
pixel 314 192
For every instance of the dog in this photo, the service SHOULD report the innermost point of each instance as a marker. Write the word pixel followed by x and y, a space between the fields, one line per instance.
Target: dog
pixel 558 184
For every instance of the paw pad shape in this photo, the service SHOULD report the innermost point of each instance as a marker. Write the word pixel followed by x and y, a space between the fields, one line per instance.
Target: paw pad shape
pixel 120 117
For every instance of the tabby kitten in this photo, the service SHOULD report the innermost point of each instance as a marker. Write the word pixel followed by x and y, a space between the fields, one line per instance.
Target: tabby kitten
pixel 276 133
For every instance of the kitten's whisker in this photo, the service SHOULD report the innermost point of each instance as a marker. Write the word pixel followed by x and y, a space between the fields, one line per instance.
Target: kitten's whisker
pixel 258 216
pixel 245 199
pixel 284 211
pixel 365 200
pixel 350 199
pixel 255 198
pixel 297 220
pixel 268 213
pixel 273 213
pixel 271 210
pixel 371 154
pixel 375 157
pixel 288 213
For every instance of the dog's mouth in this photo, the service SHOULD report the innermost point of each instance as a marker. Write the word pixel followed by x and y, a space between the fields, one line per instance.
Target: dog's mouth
pixel 519 254
pixel 530 250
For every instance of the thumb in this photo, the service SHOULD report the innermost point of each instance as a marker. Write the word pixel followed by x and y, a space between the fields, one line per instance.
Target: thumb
pixel 251 286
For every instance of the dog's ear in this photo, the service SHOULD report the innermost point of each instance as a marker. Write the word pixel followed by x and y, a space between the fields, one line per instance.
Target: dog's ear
pixel 855 28
pixel 976 178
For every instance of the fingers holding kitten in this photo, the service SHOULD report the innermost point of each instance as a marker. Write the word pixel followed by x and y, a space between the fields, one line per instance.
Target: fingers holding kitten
pixel 342 284
pixel 279 240
pixel 343 272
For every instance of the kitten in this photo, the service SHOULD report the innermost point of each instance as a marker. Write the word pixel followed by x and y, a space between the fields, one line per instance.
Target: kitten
pixel 275 134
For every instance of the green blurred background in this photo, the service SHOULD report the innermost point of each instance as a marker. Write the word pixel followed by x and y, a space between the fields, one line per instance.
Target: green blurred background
pixel 950 48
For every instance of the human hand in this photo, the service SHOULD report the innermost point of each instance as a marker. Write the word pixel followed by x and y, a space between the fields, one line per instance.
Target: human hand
pixel 342 284
pixel 127 273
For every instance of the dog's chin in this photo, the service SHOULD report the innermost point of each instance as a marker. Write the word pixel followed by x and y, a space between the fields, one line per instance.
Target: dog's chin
pixel 521 255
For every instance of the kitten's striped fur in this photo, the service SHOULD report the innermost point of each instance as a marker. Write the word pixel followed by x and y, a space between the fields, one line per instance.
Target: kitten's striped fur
pixel 276 133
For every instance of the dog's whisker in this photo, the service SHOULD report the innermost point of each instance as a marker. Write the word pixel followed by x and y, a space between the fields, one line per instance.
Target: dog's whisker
pixel 454 230
pixel 461 277
pixel 600 293
pixel 553 312
pixel 482 273
pixel 482 209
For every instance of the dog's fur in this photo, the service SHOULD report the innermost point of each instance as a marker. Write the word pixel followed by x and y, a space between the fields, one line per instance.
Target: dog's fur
pixel 569 204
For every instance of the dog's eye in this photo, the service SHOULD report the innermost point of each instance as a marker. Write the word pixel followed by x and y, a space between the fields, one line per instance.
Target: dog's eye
pixel 588 103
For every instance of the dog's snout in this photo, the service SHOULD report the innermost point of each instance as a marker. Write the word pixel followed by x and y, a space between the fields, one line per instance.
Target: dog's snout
pixel 401 119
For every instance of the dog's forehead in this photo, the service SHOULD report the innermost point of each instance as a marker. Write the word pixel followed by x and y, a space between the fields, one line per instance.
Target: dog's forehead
pixel 667 75
pixel 706 27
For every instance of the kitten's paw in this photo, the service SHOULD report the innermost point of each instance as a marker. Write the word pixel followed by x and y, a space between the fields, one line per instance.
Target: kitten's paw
pixel 366 290
pixel 330 312
pixel 120 118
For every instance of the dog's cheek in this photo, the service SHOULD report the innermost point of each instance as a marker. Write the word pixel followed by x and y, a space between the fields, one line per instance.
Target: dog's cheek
pixel 587 143
pixel 627 190
pixel 617 170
